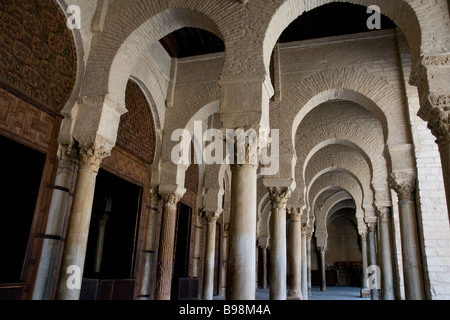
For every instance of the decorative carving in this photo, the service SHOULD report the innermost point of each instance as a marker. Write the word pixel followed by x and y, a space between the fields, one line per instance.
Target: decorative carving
pixel 92 158
pixel 404 188
pixel 438 123
pixel 211 217
pixel 37 52
pixel 171 199
pixel 295 214
pixel 279 197
pixel 384 213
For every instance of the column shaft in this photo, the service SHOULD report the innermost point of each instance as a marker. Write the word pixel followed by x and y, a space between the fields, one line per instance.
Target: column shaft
pixel 309 237
pixel 278 254
pixel 373 259
pixel 242 236
pixel 295 256
pixel 79 222
pixel 365 292
pixel 208 271
pixel 166 242
pixel 323 282
pixel 304 263
pixel 386 256
pixel 46 278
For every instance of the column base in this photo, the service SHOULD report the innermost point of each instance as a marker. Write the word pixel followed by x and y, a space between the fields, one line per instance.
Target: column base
pixel 294 295
pixel 365 292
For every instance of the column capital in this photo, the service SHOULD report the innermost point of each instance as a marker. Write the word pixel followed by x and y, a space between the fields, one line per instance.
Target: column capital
pixel 279 197
pixel 91 158
pixel 322 249
pixel 439 124
pixel 404 184
pixel 384 213
pixel 263 242
pixel 103 218
pixel 171 194
pixel 67 156
pixel 295 214
pixel 211 216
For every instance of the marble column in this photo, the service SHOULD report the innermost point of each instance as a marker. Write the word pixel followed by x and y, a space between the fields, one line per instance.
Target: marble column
pixel 412 263
pixel 308 255
pixel 241 271
pixel 374 291
pixel 365 292
pixel 387 291
pixel 208 270
pixel 304 262
pixel 102 221
pixel 149 248
pixel 223 267
pixel 278 259
pixel 78 228
pixel 263 244
pixel 323 277
pixel 47 278
pixel 197 242
pixel 166 243
pixel 295 255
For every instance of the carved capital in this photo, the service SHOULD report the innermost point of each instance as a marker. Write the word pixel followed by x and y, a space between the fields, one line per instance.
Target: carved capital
pixel 439 124
pixel 295 214
pixel 103 219
pixel 211 217
pixel 384 213
pixel 404 184
pixel 91 158
pixel 279 197
pixel 171 199
pixel 247 144
pixel 67 156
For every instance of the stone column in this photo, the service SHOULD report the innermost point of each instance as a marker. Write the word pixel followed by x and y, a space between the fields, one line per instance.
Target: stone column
pixel 374 292
pixel 165 255
pixel 308 254
pixel 263 244
pixel 304 277
pixel 278 260
pixel 78 228
pixel 223 267
pixel 46 278
pixel 387 292
pixel 102 221
pixel 208 271
pixel 323 278
pixel 149 248
pixel 242 237
pixel 295 256
pixel 197 241
pixel 412 264
pixel 365 292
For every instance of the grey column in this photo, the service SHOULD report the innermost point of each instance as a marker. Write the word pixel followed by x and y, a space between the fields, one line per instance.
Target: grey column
pixel 365 292
pixel 323 278
pixel 78 229
pixel 295 255
pixel 308 252
pixel 304 262
pixel 47 277
pixel 149 249
pixel 208 270
pixel 412 266
pixel 387 291
pixel 374 292
pixel 223 267
pixel 102 221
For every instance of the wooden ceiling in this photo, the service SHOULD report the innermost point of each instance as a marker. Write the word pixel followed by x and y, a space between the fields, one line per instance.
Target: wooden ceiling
pixel 329 20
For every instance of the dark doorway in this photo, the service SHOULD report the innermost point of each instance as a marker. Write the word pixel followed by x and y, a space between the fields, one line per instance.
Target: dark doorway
pixel 181 248
pixel 19 187
pixel 120 200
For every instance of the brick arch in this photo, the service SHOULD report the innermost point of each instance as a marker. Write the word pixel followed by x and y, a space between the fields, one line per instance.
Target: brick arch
pixel 136 132
pixel 38 53
pixel 407 14
pixel 125 39
pixel 372 92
